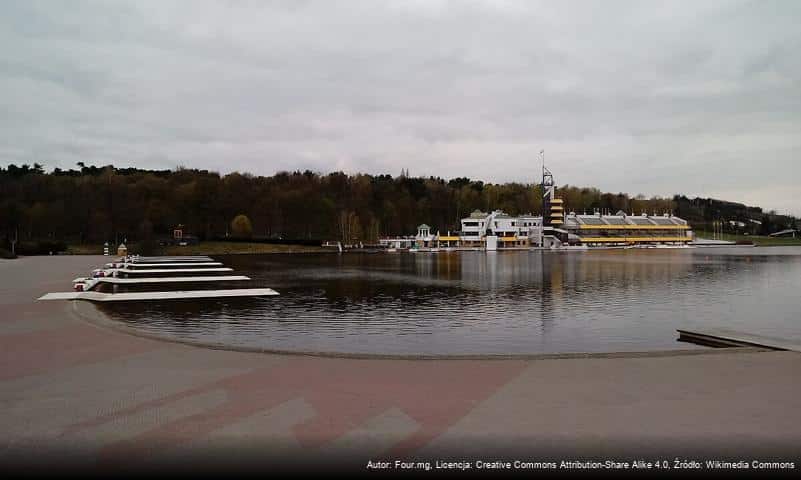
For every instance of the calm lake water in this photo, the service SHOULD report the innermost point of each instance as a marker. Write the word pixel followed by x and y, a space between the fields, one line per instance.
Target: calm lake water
pixel 504 302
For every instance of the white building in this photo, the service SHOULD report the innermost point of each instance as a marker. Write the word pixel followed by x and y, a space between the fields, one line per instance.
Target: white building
pixel 499 231
pixel 499 228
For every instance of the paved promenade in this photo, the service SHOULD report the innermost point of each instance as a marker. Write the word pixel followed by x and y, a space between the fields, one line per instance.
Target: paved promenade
pixel 77 394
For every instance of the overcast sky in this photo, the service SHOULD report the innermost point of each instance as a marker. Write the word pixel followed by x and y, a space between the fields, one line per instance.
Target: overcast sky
pixel 695 97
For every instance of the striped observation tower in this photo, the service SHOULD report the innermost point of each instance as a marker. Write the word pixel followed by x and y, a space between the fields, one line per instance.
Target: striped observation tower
pixel 553 211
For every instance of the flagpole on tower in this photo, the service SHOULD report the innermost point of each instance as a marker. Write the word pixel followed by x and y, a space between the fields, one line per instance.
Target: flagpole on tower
pixel 542 222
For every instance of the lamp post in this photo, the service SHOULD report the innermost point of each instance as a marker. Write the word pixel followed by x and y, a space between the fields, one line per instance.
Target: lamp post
pixel 14 242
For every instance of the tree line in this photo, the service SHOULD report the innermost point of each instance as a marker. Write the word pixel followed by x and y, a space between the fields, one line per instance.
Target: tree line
pixel 97 204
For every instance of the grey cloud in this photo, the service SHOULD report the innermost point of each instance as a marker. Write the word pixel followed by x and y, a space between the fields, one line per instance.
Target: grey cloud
pixel 625 95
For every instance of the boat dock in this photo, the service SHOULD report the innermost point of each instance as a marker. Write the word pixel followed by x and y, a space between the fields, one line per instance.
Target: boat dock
pixel 170 258
pixel 129 296
pixel 172 270
pixel 161 265
pixel 133 271
pixel 139 281
pixel 732 338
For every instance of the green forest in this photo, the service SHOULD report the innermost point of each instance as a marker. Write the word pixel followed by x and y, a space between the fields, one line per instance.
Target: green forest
pixel 93 204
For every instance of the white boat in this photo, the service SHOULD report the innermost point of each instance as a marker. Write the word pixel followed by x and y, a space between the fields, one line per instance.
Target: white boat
pixel 573 248
pixel 662 246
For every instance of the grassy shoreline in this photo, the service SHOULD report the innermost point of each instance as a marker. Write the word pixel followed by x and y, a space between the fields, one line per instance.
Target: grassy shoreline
pixel 759 241
pixel 204 248
pixel 233 248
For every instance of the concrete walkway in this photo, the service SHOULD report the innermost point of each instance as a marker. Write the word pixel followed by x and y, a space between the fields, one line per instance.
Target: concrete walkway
pixel 75 394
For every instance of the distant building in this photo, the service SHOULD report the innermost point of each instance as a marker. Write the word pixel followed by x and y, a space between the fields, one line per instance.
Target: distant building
pixel 180 237
pixel 510 231
pixel 497 230
pixel 621 229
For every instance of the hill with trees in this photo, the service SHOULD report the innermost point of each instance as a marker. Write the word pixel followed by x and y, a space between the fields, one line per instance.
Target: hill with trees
pixel 97 204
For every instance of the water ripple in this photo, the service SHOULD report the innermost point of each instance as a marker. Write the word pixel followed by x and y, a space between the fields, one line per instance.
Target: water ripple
pixel 471 302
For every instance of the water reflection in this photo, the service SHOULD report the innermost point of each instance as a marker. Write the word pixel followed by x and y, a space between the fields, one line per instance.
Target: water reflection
pixel 503 302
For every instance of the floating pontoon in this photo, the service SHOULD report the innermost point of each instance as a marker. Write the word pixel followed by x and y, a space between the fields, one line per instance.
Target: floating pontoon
pixel 129 281
pixel 147 271
pixel 160 265
pixel 97 284
pixel 115 275
pixel 137 259
pixel 121 297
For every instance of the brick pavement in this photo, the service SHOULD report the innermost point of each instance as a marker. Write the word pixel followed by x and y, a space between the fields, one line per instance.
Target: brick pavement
pixel 79 395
